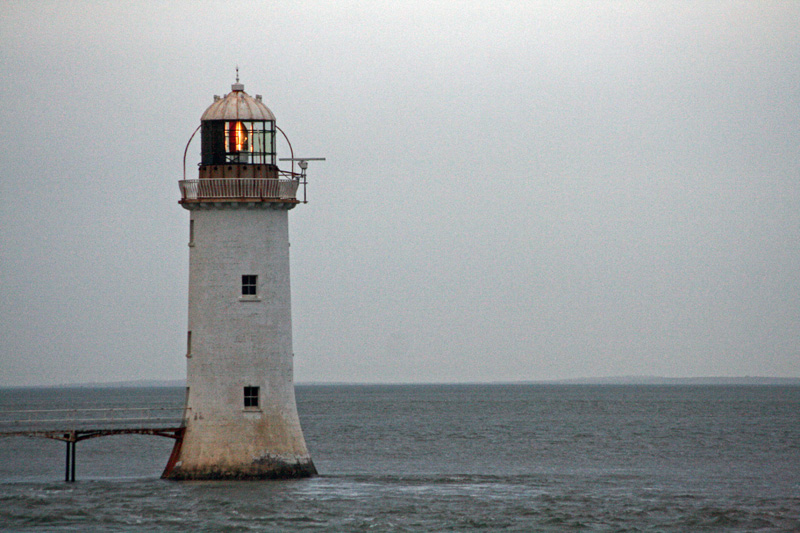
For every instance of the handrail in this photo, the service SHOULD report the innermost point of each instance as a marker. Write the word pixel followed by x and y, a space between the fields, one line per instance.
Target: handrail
pixel 88 409
pixel 117 415
pixel 82 420
pixel 75 420
pixel 186 150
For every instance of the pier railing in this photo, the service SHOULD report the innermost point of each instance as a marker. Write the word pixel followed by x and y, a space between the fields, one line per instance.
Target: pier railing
pixel 239 189
pixel 39 420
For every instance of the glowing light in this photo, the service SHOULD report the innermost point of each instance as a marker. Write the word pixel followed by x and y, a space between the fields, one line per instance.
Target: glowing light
pixel 237 137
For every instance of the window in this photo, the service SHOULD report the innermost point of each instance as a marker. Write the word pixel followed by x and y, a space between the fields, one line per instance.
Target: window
pixel 251 396
pixel 191 233
pixel 188 344
pixel 249 285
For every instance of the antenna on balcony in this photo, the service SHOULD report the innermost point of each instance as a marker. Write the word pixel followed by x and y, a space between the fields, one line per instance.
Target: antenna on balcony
pixel 303 164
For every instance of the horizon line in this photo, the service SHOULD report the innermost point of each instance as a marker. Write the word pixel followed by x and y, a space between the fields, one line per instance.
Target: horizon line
pixel 610 380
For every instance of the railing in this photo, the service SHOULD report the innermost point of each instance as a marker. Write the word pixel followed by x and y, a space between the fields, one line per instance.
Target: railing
pixel 238 189
pixel 31 420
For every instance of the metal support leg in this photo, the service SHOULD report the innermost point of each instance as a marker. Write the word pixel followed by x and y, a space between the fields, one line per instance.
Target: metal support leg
pixel 69 474
pixel 69 449
pixel 72 474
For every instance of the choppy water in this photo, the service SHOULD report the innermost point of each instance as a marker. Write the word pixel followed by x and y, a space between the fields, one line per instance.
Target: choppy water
pixel 433 458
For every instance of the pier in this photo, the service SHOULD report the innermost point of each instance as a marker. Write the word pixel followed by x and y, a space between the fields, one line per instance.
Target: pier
pixel 76 424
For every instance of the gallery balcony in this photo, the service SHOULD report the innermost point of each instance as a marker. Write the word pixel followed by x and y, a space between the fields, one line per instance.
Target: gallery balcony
pixel 282 190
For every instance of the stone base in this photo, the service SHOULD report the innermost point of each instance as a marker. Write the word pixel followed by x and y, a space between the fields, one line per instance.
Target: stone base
pixel 266 468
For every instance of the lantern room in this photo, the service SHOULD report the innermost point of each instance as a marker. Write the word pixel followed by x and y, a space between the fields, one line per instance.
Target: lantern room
pixel 238 138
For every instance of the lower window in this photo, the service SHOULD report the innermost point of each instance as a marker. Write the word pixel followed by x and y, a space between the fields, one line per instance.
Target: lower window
pixel 251 396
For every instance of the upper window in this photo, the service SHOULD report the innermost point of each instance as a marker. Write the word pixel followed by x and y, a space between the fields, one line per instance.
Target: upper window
pixel 249 283
pixel 251 396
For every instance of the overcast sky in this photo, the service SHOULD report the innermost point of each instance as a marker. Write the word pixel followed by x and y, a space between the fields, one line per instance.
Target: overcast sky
pixel 512 191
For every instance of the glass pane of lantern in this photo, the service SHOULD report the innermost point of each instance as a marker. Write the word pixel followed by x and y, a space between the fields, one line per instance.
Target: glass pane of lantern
pixel 269 142
pixel 258 139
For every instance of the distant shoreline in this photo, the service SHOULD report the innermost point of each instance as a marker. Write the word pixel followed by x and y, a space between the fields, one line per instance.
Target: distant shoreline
pixel 657 380
pixel 617 380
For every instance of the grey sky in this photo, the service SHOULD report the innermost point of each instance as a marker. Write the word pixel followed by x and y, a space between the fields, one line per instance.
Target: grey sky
pixel 513 190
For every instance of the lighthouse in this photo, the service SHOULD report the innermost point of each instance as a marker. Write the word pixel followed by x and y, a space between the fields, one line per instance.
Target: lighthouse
pixel 241 418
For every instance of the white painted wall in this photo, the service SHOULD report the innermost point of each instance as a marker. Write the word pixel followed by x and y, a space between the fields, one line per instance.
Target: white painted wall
pixel 240 341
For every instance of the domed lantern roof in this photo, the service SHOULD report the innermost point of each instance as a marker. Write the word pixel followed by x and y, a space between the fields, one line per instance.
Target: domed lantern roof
pixel 237 105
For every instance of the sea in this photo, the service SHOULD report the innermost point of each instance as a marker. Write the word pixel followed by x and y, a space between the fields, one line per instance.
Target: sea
pixel 519 457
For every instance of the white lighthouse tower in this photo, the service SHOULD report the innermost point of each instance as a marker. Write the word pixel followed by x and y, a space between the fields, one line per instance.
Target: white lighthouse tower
pixel 241 416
